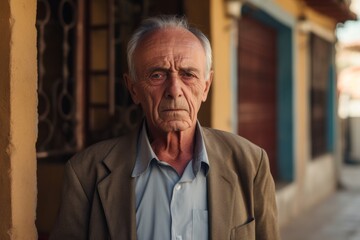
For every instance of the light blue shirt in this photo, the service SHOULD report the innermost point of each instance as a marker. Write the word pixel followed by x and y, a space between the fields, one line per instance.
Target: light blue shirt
pixel 169 206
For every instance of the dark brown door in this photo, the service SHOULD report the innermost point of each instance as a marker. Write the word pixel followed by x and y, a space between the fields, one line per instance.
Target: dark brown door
pixel 257 107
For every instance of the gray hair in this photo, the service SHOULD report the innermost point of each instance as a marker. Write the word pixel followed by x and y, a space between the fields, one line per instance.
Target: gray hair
pixel 162 22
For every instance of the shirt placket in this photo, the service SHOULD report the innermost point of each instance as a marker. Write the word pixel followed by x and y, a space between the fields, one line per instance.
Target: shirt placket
pixel 180 204
pixel 175 209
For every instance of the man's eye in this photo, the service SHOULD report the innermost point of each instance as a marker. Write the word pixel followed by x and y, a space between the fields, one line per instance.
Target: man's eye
pixel 157 76
pixel 187 75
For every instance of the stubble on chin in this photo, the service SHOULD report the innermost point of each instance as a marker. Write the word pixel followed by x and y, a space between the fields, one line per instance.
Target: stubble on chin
pixel 175 125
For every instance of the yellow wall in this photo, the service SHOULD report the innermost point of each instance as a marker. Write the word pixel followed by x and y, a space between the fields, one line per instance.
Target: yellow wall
pixel 299 9
pixel 292 6
pixel 221 27
pixel 18 117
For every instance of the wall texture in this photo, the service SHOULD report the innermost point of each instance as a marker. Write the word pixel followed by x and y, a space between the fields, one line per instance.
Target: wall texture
pixel 221 30
pixel 18 117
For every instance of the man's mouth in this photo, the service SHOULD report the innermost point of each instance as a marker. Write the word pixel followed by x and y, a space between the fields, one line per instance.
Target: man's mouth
pixel 173 110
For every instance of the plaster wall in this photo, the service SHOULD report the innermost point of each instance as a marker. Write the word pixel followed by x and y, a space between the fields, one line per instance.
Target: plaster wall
pixel 302 110
pixel 300 10
pixel 18 115
pixel 292 6
pixel 319 182
pixel 221 32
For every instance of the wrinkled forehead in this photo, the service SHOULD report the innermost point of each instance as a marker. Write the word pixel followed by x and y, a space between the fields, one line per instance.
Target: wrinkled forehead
pixel 175 39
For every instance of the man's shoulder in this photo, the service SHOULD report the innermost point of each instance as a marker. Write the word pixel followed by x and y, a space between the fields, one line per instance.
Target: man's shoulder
pixel 229 139
pixel 99 151
pixel 233 150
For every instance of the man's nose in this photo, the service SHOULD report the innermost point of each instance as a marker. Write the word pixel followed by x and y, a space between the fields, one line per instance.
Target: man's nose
pixel 173 87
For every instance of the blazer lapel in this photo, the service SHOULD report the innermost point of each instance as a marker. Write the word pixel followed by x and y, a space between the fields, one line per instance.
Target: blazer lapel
pixel 116 190
pixel 221 194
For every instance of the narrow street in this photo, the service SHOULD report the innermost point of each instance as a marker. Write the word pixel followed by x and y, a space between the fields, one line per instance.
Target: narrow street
pixel 337 218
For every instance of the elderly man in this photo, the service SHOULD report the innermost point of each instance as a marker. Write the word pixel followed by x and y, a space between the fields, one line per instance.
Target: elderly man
pixel 171 178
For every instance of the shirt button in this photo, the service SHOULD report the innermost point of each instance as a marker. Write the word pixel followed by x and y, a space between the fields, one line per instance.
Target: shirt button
pixel 178 187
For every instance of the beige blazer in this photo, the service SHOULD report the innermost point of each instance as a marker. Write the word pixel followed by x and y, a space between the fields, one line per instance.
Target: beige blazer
pixel 98 200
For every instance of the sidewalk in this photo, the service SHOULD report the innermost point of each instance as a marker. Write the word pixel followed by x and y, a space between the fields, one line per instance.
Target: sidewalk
pixel 338 218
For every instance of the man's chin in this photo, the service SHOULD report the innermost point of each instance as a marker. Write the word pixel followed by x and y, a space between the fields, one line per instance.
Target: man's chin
pixel 175 125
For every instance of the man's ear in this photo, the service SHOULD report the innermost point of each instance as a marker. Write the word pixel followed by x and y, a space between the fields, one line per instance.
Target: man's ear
pixel 131 88
pixel 208 85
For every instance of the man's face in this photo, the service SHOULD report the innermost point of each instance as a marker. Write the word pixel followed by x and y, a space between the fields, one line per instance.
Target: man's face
pixel 171 84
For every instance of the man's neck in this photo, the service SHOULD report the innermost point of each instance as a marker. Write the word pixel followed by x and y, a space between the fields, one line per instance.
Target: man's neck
pixel 175 148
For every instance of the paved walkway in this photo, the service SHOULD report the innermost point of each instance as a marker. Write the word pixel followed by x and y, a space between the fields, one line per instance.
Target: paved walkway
pixel 338 218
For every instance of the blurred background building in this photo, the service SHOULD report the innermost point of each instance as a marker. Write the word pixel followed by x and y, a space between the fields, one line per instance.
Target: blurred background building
pixel 348 62
pixel 275 83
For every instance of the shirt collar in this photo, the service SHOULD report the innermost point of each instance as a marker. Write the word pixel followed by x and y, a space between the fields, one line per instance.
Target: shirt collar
pixel 145 154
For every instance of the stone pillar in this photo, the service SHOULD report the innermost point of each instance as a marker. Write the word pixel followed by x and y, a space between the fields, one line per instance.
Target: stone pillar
pixel 18 119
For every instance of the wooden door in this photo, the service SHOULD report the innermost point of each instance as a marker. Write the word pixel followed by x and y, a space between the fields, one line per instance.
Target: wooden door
pixel 257 98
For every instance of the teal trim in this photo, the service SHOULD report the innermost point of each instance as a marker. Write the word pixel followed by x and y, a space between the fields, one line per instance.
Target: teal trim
pixel 331 109
pixel 285 105
pixel 285 115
